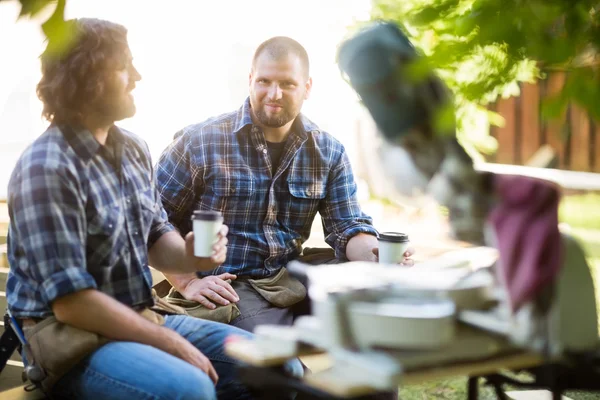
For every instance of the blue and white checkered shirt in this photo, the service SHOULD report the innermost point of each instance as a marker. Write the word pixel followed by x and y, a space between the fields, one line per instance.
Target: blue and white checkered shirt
pixel 82 216
pixel 223 164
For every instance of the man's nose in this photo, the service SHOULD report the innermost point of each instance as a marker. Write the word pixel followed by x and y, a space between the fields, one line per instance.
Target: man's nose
pixel 275 92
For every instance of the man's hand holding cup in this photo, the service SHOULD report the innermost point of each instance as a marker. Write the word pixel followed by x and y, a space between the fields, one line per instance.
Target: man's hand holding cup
pixel 394 248
pixel 206 244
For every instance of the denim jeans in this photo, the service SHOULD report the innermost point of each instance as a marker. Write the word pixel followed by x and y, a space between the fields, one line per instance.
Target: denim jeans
pixel 129 370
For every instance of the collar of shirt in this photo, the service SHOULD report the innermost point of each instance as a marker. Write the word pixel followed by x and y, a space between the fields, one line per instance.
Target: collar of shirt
pixel 85 144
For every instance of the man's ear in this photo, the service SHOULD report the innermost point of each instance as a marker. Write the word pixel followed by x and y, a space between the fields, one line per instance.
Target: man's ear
pixel 308 88
pixel 250 77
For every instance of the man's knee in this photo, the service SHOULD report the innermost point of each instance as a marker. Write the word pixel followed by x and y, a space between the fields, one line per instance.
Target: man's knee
pixel 192 384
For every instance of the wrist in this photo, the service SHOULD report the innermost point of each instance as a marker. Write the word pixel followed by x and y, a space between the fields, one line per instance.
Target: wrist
pixel 163 339
pixel 180 282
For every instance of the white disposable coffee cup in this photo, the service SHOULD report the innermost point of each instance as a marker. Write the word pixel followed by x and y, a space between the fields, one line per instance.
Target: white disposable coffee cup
pixel 206 226
pixel 392 246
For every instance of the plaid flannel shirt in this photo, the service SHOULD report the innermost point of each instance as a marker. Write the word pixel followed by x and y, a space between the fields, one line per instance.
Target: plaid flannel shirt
pixel 223 164
pixel 81 217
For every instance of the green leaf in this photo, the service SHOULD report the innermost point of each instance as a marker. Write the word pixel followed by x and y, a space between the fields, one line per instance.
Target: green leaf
pixel 445 119
pixel 553 108
pixel 31 8
pixel 483 49
pixel 60 34
pixel 428 15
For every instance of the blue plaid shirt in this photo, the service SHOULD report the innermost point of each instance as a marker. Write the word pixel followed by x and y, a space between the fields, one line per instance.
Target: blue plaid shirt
pixel 223 164
pixel 81 216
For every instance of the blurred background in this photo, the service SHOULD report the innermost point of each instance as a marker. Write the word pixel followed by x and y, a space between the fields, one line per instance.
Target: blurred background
pixel 524 75
pixel 194 57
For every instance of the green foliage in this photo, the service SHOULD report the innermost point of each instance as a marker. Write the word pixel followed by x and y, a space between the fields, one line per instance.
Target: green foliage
pixel 59 33
pixel 484 48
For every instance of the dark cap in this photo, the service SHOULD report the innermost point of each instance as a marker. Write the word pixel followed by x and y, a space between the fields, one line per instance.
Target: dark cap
pixel 203 215
pixel 394 237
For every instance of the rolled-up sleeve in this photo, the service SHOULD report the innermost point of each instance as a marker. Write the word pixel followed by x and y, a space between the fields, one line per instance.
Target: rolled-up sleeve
pixel 340 210
pixel 49 226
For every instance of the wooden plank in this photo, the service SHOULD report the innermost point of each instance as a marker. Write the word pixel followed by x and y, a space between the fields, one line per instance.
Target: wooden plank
pixel 567 179
pixel 530 121
pixel 18 393
pixel 3 256
pixel 2 302
pixel 494 133
pixel 336 381
pixel 251 353
pixel 532 395
pixel 338 384
pixel 554 128
pixel 11 376
pixel 580 139
pixel 3 276
pixel 507 133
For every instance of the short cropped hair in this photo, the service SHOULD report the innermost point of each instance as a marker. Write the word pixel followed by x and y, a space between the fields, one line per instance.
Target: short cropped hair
pixel 281 46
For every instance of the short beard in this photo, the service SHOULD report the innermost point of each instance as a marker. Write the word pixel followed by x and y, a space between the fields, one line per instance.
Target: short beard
pixel 115 113
pixel 273 122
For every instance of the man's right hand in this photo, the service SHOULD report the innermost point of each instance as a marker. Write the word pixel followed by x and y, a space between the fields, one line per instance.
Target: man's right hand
pixel 211 290
pixel 178 346
pixel 94 311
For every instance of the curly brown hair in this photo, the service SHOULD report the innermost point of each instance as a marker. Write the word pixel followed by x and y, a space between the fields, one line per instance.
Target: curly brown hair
pixel 76 79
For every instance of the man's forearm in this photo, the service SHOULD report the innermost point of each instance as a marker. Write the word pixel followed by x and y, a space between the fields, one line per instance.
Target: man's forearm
pixel 360 247
pixel 168 253
pixel 179 281
pixel 94 311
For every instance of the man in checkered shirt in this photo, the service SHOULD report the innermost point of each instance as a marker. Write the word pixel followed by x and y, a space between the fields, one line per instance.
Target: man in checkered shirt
pixel 85 222
pixel 269 170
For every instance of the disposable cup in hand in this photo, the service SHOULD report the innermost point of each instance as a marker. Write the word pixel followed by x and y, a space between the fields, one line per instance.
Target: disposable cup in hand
pixel 392 246
pixel 206 226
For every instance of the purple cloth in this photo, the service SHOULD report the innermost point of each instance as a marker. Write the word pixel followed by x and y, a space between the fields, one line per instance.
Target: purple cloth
pixel 525 222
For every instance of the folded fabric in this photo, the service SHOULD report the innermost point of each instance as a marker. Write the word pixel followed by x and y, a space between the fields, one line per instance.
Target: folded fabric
pixel 224 314
pixel 525 222
pixel 57 347
pixel 163 307
pixel 281 290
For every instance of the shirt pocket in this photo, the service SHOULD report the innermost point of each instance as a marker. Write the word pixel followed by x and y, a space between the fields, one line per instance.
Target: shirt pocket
pixel 231 196
pixel 304 204
pixel 105 229
pixel 307 190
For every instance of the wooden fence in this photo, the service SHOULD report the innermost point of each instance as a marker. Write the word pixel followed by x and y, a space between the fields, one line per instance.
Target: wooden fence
pixel 575 136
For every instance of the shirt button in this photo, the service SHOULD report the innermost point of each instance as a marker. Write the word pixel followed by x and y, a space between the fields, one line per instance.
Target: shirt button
pixel 265 151
pixel 128 201
pixel 308 192
pixel 110 226
pixel 136 233
pixel 232 190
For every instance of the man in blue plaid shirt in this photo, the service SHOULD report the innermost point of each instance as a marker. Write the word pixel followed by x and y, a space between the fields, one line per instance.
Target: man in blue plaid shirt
pixel 269 170
pixel 85 222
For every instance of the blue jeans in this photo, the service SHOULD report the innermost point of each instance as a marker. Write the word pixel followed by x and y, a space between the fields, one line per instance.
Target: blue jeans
pixel 129 370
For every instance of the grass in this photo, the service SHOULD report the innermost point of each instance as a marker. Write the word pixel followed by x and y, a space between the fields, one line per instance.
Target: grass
pixel 582 214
